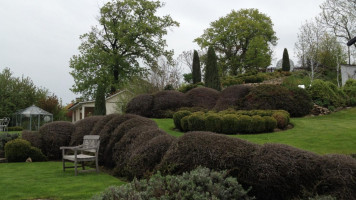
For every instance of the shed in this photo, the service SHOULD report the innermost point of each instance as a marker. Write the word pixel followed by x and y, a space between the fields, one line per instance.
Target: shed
pixel 32 118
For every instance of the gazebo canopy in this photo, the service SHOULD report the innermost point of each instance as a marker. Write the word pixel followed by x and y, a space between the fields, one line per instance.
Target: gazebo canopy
pixel 33 110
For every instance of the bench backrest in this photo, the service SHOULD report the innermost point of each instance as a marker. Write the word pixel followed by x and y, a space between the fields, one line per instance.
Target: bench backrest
pixel 91 141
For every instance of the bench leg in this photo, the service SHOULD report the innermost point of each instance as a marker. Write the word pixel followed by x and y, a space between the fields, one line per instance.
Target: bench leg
pixel 83 166
pixel 64 165
pixel 75 167
pixel 97 165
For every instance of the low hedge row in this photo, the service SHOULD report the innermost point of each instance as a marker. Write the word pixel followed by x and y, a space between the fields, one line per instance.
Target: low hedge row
pixel 231 121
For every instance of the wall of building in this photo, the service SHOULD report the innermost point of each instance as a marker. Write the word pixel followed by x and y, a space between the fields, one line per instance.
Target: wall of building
pixel 347 72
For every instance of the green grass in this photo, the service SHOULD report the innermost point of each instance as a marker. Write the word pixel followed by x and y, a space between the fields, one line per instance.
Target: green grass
pixel 46 180
pixel 334 133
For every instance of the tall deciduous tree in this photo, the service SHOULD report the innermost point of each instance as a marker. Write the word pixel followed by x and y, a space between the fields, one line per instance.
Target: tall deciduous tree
pixel 212 79
pixel 339 16
pixel 285 61
pixel 196 68
pixel 17 93
pixel 231 36
pixel 129 31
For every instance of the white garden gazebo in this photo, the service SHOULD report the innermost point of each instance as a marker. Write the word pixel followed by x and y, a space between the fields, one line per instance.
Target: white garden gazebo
pixel 32 118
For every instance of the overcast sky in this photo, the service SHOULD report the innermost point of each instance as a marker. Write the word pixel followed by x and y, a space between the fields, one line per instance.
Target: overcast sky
pixel 38 37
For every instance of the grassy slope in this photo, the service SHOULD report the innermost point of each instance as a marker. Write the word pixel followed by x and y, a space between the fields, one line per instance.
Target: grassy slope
pixel 47 180
pixel 335 133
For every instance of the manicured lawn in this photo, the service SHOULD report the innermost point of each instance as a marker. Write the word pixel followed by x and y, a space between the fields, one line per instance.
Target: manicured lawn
pixel 46 180
pixel 334 133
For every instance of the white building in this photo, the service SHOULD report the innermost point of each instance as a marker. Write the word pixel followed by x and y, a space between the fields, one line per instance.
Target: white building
pixel 114 104
pixel 347 72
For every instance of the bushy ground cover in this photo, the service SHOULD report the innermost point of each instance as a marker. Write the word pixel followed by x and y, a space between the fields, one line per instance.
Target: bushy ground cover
pixel 46 180
pixel 334 133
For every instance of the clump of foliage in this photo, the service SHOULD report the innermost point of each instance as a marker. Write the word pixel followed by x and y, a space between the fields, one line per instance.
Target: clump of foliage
pixel 166 100
pixel 145 158
pixel 350 90
pixel 326 94
pixel 274 97
pixel 250 77
pixel 184 88
pixel 83 127
pixel 200 183
pixel 33 137
pixel 15 128
pixel 4 138
pixel 19 150
pixel 141 105
pixel 100 105
pixel 231 121
pixel 202 97
pixel 54 135
pixel 229 96
pixel 212 79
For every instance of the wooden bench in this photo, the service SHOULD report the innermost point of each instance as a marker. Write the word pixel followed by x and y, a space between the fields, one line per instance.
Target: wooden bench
pixel 86 152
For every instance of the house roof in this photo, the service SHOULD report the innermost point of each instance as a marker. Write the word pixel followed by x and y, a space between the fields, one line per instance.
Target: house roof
pixel 78 104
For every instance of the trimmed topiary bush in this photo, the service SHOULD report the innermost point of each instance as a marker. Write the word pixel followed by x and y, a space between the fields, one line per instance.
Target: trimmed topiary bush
pixel 228 124
pixel 213 123
pixel 132 140
pixel 19 150
pixel 196 121
pixel 270 123
pixel 202 97
pixel 166 100
pixel 99 126
pixel 275 97
pixel 54 135
pixel 184 122
pixel 228 97
pixel 178 116
pixel 243 124
pixel 33 137
pixel 145 158
pixel 257 124
pixel 209 150
pixel 282 119
pixel 201 183
pixel 141 105
pixel 4 138
pixel 117 135
pixel 83 127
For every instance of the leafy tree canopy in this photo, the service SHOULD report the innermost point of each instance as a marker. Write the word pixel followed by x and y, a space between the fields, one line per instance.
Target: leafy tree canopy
pixel 17 93
pixel 129 33
pixel 231 37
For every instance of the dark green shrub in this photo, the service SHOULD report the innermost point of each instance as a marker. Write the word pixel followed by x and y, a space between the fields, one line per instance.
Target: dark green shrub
pixel 100 104
pixel 186 88
pixel 178 116
pixel 19 150
pixel 83 127
pixel 275 97
pixel 350 90
pixel 54 135
pixel 132 140
pixel 257 125
pixel 279 171
pixel 4 138
pixel 324 94
pixel 214 151
pixel 282 119
pixel 196 72
pixel 213 122
pixel 196 121
pixel 107 131
pixel 243 123
pixel 141 105
pixel 167 100
pixel 33 137
pixel 15 128
pixel 202 97
pixel 228 97
pixel 270 123
pixel 201 183
pixel 229 124
pixel 146 157
pixel 184 123
pixel 117 135
pixel 211 78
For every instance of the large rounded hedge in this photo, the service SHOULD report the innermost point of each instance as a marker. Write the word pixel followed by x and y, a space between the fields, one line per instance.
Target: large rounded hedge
pixel 19 150
pixel 229 96
pixel 55 135
pixel 274 97
pixel 33 137
pixel 83 127
pixel 141 105
pixel 166 100
pixel 202 97
pixel 209 150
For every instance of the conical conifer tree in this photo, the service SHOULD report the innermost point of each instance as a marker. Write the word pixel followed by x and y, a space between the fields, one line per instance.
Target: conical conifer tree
pixel 100 105
pixel 196 68
pixel 285 61
pixel 212 79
